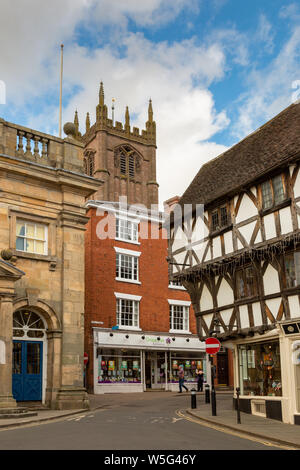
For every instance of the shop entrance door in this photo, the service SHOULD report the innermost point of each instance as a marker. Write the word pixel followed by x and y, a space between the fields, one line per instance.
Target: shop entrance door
pixel 27 370
pixel 155 370
pixel 148 370
pixel 222 373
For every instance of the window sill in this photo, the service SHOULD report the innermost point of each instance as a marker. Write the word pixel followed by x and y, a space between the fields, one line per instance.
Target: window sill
pixel 177 287
pixel 127 328
pixel 181 332
pixel 127 241
pixel 34 256
pixel 220 231
pixel 282 205
pixel 128 280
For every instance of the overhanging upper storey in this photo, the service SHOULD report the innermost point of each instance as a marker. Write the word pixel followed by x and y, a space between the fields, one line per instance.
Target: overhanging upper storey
pixel 235 237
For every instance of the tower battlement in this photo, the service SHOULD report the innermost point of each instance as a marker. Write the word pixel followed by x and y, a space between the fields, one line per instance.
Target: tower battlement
pixel 104 123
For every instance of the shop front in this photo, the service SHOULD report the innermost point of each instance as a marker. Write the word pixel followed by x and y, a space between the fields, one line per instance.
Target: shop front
pixel 137 362
pixel 268 374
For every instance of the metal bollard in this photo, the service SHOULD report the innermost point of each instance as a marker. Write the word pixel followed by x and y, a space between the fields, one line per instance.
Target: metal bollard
pixel 193 399
pixel 238 411
pixel 207 395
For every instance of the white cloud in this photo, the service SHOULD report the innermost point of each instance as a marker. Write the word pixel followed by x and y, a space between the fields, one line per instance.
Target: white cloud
pixel 265 33
pixel 270 88
pixel 176 76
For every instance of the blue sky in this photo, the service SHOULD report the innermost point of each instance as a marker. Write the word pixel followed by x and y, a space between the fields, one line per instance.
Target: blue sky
pixel 215 70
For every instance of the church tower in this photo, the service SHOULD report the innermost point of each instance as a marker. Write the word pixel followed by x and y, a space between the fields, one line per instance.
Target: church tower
pixel 122 157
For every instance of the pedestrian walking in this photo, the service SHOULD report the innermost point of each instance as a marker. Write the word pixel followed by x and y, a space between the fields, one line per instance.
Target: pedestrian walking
pixel 181 380
pixel 200 380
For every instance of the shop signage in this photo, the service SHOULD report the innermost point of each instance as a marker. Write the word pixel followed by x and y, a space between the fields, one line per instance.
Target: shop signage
pixel 124 365
pixel 212 345
pixel 111 365
pixel 154 340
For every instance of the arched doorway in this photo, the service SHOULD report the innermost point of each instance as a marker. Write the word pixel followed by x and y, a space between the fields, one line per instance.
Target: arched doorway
pixel 29 350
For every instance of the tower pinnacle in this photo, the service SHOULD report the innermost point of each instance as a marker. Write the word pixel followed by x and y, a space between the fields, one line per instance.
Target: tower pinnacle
pixel 101 95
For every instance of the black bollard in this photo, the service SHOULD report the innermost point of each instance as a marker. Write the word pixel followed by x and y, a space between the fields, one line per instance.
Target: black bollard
pixel 207 399
pixel 193 399
pixel 238 411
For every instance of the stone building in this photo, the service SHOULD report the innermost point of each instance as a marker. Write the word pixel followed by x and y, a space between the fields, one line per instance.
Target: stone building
pixel 43 190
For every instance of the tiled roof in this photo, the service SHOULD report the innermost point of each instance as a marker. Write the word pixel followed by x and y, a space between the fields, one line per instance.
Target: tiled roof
pixel 272 145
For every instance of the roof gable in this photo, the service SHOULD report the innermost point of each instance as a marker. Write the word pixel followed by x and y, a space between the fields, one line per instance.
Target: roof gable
pixel 272 145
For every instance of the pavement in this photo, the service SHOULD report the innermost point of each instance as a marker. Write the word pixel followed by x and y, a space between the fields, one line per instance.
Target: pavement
pixel 269 430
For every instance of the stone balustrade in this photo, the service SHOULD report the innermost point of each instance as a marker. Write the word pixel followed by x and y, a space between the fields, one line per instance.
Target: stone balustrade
pixel 43 149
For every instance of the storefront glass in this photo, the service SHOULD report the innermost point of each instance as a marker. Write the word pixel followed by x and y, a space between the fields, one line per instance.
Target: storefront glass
pixel 190 364
pixel 119 366
pixel 259 366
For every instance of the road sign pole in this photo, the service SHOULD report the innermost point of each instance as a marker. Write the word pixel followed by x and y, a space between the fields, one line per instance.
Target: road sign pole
pixel 212 346
pixel 213 391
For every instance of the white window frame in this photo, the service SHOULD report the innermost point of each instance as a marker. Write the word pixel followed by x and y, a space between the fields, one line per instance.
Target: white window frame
pixel 186 311
pixel 136 222
pixel 36 224
pixel 174 286
pixel 132 254
pixel 134 298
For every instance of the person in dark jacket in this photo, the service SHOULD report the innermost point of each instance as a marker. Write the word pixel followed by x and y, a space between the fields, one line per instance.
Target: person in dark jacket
pixel 200 380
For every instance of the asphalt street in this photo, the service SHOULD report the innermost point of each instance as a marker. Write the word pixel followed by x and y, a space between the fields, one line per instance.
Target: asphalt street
pixel 149 421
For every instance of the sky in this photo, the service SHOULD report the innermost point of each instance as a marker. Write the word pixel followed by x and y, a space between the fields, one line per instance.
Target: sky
pixel 215 70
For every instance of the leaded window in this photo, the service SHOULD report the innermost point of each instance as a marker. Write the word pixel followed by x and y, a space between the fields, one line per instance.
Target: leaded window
pixel 292 269
pixel 220 218
pixel 246 284
pixel 273 192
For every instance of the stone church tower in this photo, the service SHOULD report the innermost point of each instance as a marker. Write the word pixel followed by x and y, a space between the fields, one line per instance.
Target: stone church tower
pixel 122 157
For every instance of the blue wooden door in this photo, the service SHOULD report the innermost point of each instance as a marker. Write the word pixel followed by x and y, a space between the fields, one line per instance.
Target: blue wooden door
pixel 27 370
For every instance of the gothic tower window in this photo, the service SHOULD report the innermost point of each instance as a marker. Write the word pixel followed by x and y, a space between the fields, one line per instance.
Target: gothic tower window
pixel 127 160
pixel 89 162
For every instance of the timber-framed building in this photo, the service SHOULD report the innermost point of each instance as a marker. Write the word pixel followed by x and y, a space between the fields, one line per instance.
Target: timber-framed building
pixel 239 259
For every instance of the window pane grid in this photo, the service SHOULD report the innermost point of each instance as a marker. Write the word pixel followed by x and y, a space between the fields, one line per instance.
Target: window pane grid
pixel 266 195
pixel 278 189
pixel 126 267
pixel 126 230
pixel 127 312
pixel 31 238
pixel 179 317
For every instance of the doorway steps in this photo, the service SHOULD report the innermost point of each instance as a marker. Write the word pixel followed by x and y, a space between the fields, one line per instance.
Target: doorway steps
pixel 18 412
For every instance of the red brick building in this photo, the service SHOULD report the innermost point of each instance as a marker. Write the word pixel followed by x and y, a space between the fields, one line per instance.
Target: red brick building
pixel 139 328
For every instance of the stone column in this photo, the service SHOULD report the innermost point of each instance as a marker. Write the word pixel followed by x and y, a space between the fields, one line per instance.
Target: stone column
pixel 6 332
pixel 72 394
pixel 9 274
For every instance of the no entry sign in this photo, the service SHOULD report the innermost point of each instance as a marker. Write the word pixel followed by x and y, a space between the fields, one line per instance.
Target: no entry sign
pixel 85 358
pixel 212 345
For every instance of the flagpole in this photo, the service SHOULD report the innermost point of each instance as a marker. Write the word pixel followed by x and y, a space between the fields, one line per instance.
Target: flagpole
pixel 60 92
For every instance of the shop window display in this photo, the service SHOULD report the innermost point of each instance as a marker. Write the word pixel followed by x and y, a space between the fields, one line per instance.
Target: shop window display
pixel 117 366
pixel 260 372
pixel 190 365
